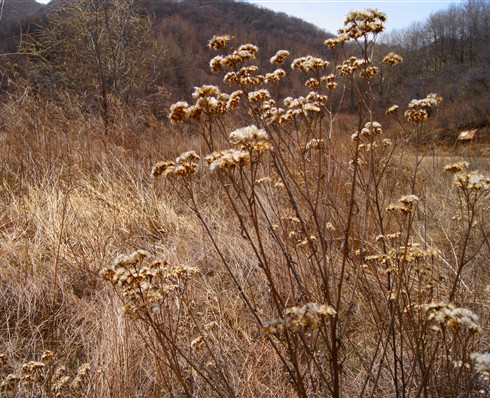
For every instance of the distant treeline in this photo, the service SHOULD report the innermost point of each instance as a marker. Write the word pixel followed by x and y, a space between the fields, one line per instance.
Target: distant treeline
pixel 449 53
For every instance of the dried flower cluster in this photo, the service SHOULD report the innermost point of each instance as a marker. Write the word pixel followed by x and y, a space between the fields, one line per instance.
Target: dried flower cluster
pixel 218 42
pixel 392 110
pixel 302 106
pixel 309 63
pixel 404 204
pixel 41 375
pixel 145 285
pixel 370 129
pixel 419 110
pixel 246 142
pixel 358 24
pixel 279 57
pixel 445 314
pixel 312 83
pixel 331 43
pixel 251 139
pixel 482 363
pixel 244 77
pixel 297 318
pixel 209 101
pixel 392 59
pixel 314 144
pixel 178 111
pixel 184 166
pixel 329 81
pixel 413 254
pixel 431 101
pixel 269 112
pixel 32 372
pixel 228 159
pixel 246 52
pixel 473 181
pixel 456 167
pixel 349 66
pixel 275 76
pixel 234 99
pixel 369 72
pixel 258 96
pixel 416 115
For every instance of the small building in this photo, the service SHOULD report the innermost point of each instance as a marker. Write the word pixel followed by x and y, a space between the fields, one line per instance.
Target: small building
pixel 467 136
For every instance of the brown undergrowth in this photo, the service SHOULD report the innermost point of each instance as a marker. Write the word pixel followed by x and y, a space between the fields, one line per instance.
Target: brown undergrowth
pixel 276 253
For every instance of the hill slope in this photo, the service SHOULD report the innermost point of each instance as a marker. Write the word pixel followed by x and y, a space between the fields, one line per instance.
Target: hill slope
pixel 14 13
pixel 185 28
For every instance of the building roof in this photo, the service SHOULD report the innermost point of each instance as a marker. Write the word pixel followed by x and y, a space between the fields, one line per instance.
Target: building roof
pixel 467 135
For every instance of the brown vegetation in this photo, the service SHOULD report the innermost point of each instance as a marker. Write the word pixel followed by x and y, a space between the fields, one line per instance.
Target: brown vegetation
pixel 260 242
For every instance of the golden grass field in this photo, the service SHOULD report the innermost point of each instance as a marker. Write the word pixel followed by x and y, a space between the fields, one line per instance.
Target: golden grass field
pixel 297 259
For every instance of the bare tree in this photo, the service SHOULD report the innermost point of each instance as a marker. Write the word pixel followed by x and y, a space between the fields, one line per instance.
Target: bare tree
pixel 100 49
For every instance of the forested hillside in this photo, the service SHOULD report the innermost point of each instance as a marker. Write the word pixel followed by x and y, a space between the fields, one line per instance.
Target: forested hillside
pixel 141 54
pixel 449 52
pixel 185 28
pixel 13 15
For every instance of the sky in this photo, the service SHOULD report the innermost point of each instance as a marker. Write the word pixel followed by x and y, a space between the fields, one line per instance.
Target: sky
pixel 329 14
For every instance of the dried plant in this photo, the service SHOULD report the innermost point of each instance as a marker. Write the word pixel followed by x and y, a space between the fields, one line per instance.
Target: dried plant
pixel 286 242
pixel 332 254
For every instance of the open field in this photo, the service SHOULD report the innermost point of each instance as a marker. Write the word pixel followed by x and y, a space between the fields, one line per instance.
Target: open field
pixel 260 245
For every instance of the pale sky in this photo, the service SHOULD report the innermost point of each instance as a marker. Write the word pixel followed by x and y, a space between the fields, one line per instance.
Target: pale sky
pixel 329 14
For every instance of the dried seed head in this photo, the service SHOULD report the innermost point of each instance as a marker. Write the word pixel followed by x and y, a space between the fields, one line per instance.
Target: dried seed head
pixel 369 72
pixel 416 115
pixel 392 59
pixel 456 167
pixel 360 23
pixel 308 63
pixel 250 138
pixel 280 56
pixel 392 110
pixel 218 42
pixel 178 111
pixel 482 362
pixel 227 159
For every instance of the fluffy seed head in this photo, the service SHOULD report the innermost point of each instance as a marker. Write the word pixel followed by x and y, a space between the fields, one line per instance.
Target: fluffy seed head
pixel 218 42
pixel 392 59
pixel 228 159
pixel 456 167
pixel 280 56
pixel 250 138
pixel 258 96
pixel 205 91
pixel 360 23
pixel 275 76
pixel 392 110
pixel 178 111
pixel 308 63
